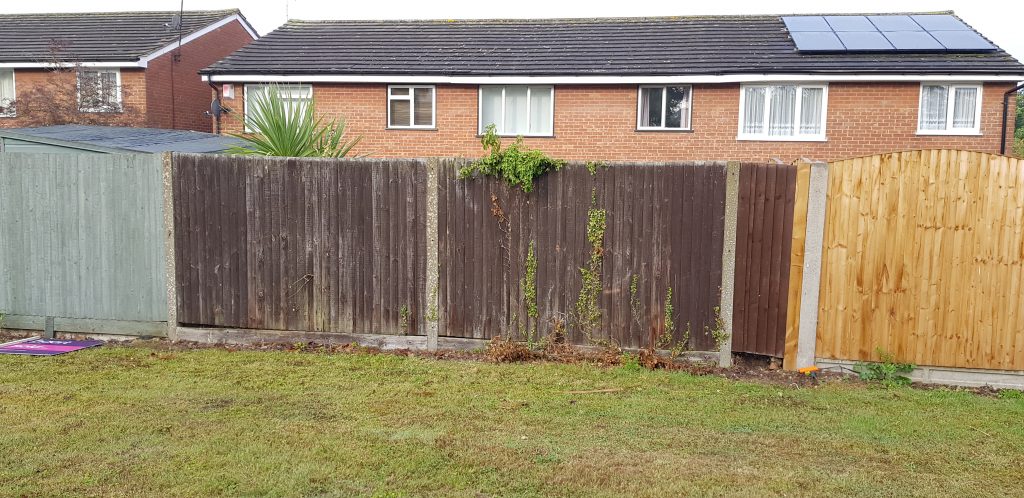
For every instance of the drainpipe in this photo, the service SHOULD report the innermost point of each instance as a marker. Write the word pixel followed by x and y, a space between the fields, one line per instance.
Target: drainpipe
pixel 216 109
pixel 1006 113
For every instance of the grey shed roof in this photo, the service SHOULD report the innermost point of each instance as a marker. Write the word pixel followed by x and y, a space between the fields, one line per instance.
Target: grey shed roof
pixel 672 46
pixel 123 139
pixel 96 37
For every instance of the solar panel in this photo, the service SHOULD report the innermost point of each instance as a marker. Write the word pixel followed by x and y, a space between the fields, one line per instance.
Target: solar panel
pixel 806 23
pixel 817 41
pixel 962 40
pixel 850 23
pixel 880 33
pixel 935 22
pixel 912 40
pixel 864 40
pixel 895 23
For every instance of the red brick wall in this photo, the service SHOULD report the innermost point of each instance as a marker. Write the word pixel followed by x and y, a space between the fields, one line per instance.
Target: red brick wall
pixel 191 94
pixel 599 123
pixel 133 98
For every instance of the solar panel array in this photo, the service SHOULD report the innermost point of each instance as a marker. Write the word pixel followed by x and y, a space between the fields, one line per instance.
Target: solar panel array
pixel 884 33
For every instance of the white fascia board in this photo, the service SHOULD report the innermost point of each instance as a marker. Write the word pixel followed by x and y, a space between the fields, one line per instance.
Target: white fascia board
pixel 144 60
pixel 602 80
pixel 47 65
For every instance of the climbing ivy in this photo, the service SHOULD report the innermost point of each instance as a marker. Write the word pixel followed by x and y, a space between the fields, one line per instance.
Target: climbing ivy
pixel 588 315
pixel 529 283
pixel 515 164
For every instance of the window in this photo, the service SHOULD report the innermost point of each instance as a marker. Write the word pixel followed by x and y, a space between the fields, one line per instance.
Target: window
pixel 663 108
pixel 294 96
pixel 949 110
pixel 7 93
pixel 411 107
pixel 518 109
pixel 782 112
pixel 99 90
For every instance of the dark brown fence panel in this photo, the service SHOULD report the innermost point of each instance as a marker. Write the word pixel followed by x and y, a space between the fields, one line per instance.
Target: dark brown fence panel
pixel 300 244
pixel 763 242
pixel 664 226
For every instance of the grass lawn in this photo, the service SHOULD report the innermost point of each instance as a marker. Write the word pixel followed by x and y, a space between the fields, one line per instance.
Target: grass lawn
pixel 141 421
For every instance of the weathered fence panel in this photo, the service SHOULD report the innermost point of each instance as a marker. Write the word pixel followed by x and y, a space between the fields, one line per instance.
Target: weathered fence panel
pixel 300 244
pixel 763 242
pixel 82 237
pixel 924 258
pixel 664 229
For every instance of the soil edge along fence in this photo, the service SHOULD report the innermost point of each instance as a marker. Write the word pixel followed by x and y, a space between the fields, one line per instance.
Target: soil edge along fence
pixel 82 243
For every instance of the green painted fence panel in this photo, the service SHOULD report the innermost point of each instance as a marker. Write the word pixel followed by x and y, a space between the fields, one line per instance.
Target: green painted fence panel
pixel 82 236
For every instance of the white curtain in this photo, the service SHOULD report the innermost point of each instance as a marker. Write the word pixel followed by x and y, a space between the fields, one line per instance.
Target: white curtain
pixel 933 107
pixel 965 102
pixel 810 111
pixel 650 107
pixel 781 111
pixel 540 110
pixel 515 111
pixel 490 107
pixel 753 110
pixel 6 85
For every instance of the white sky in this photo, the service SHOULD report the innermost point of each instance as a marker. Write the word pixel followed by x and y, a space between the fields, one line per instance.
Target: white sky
pixel 999 20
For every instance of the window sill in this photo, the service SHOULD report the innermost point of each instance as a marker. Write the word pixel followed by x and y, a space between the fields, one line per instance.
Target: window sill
pixel 948 133
pixel 743 138
pixel 480 135
pixel 664 130
pixel 411 128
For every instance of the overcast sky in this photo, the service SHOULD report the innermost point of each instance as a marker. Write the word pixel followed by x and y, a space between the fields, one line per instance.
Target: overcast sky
pixel 999 20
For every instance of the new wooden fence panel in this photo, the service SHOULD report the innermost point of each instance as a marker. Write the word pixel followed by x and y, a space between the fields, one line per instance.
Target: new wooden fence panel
pixel 300 244
pixel 82 237
pixel 664 225
pixel 763 242
pixel 924 253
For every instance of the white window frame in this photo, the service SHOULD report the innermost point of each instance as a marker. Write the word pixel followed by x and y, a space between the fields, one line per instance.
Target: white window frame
pixel 120 91
pixel 13 111
pixel 529 108
pixel 950 101
pixel 664 108
pixel 245 99
pixel 412 107
pixel 764 136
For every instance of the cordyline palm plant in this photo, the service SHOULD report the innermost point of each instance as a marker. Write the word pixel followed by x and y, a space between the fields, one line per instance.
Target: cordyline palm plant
pixel 296 132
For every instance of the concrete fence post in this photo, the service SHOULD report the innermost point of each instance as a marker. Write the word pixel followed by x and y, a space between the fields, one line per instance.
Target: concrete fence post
pixel 169 263
pixel 732 199
pixel 431 282
pixel 813 252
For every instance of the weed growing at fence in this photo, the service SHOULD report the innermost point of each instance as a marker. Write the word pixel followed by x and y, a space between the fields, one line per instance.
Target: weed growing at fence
pixel 593 166
pixel 634 299
pixel 718 332
pixel 670 318
pixel 588 314
pixel 529 283
pixel 515 165
pixel 887 372
pixel 403 318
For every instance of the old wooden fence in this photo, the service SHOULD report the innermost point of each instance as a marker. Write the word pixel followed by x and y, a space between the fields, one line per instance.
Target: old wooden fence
pixel 82 240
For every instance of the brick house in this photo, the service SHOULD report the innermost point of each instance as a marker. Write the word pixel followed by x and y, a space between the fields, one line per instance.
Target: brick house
pixel 723 87
pixel 123 68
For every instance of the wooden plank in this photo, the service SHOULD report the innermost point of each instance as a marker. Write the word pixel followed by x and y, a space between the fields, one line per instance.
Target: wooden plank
pixel 796 264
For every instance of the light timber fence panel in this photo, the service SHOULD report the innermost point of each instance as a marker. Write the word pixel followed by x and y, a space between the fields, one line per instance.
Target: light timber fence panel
pixel 923 258
pixel 82 240
pixel 300 244
pixel 664 227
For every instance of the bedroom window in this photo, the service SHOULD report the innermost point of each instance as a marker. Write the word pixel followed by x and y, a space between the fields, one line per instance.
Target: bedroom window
pixel 99 90
pixel 7 93
pixel 411 106
pixel 783 112
pixel 663 108
pixel 294 97
pixel 526 110
pixel 949 110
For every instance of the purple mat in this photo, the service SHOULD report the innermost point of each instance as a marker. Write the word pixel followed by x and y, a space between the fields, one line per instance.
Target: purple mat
pixel 45 347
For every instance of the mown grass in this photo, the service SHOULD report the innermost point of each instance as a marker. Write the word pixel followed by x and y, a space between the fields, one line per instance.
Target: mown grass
pixel 134 421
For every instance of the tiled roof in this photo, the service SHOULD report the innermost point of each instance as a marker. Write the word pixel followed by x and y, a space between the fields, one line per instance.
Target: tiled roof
pixel 709 45
pixel 96 37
